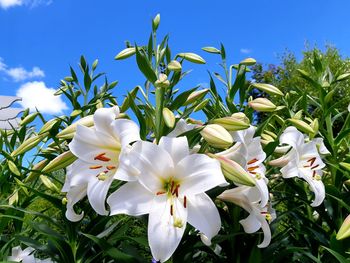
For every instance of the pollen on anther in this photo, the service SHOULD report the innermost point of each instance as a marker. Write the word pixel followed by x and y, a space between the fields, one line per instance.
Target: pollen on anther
pixel 160 193
pixel 95 167
pixel 171 210
pixel 315 166
pixel 102 157
pixel 252 168
pixel 110 167
pixel 252 161
pixel 185 201
pixel 312 160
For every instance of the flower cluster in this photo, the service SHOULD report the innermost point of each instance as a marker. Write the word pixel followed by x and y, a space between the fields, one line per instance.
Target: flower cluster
pixel 168 180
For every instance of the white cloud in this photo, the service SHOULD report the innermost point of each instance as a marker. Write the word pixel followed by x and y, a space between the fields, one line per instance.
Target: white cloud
pixel 20 73
pixel 245 50
pixel 35 95
pixel 10 3
pixel 5 4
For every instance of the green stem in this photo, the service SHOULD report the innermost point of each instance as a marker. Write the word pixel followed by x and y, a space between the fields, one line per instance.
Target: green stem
pixel 159 113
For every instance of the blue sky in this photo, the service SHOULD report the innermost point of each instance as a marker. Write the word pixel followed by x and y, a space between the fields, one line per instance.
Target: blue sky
pixel 40 38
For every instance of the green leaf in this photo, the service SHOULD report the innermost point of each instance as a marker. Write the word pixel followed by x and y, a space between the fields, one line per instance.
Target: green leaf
pixel 145 66
pixel 338 256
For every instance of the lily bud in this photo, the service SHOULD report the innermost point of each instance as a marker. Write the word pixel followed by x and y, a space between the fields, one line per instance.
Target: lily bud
pixel 196 95
pixel 280 162
pixel 201 105
pixel 346 166
pixel 61 161
pixel 168 117
pixel 233 171
pixel 68 132
pixel 248 62
pixel 48 125
pixel 344 230
pixel 343 76
pixel 262 104
pixel 268 88
pixel 236 122
pixel 298 115
pixel 13 168
pixel 302 126
pixel 28 144
pixel 162 81
pixel 29 118
pixel 174 65
pixel 128 52
pixel 315 125
pixel 48 183
pixel 155 22
pixel 212 50
pixel 217 136
pixel 36 169
pixel 192 57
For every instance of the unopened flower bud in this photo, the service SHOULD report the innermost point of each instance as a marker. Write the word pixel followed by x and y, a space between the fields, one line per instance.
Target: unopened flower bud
pixel 174 65
pixel 169 118
pixel 344 230
pixel 248 62
pixel 61 161
pixel 128 52
pixel 217 136
pixel 162 81
pixel 298 115
pixel 262 104
pixel 68 132
pixel 302 126
pixel 236 122
pixel 192 57
pixel 268 88
pixel 64 201
pixel 233 171
pixel 196 95
pixel 48 183
pixel 28 144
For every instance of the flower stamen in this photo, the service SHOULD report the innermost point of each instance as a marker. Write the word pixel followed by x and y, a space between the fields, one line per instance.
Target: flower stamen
pixel 252 161
pixel 95 167
pixel 102 157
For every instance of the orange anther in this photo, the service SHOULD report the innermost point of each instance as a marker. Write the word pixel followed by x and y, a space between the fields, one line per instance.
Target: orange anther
pixel 95 167
pixel 252 161
pixel 102 157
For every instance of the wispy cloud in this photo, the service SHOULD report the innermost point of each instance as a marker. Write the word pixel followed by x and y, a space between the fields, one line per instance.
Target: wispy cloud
pixel 5 4
pixel 20 73
pixel 36 95
pixel 245 50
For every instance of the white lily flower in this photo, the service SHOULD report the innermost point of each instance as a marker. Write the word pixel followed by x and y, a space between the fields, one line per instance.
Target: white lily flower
pixel 171 189
pixel 249 154
pixel 259 217
pixel 181 127
pixel 303 161
pixel 99 153
pixel 19 255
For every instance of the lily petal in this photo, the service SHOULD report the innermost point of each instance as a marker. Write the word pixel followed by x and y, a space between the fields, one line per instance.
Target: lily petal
pixel 88 143
pixel 267 234
pixel 97 193
pixel 199 174
pixel 153 162
pixel 131 199
pixel 317 187
pixel 176 147
pixel 74 195
pixel 251 224
pixel 103 118
pixel 163 236
pixel 292 136
pixel 203 215
pixel 127 131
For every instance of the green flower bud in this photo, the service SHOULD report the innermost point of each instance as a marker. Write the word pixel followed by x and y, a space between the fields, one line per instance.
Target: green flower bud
pixel 262 104
pixel 268 88
pixel 128 52
pixel 169 118
pixel 217 136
